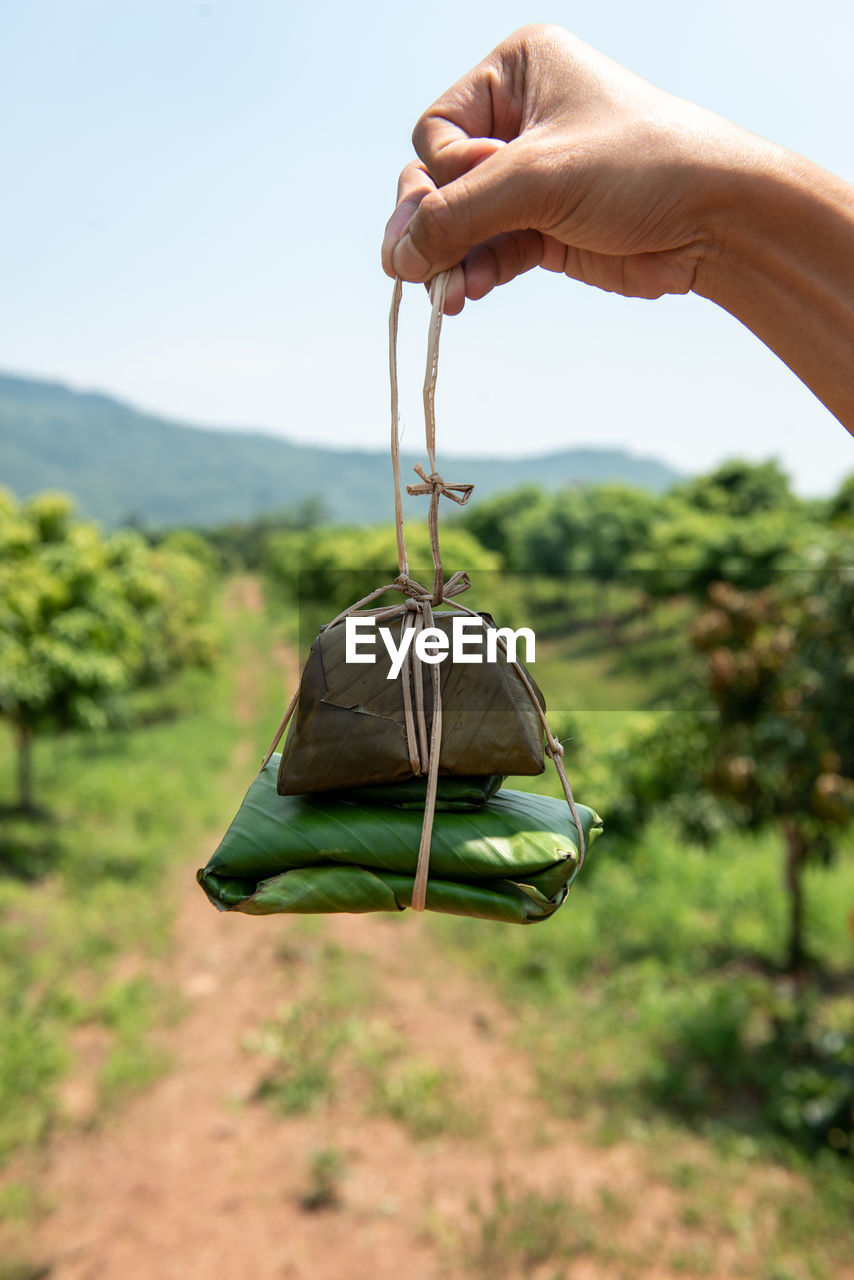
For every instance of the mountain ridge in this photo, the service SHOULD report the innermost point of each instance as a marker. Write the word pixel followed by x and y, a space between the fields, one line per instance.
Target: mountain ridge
pixel 124 464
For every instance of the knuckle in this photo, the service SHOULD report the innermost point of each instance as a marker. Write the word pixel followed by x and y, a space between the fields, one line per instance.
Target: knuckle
pixel 412 181
pixel 420 133
pixel 437 223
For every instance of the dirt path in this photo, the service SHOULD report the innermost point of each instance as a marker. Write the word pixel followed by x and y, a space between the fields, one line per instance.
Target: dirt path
pixel 194 1179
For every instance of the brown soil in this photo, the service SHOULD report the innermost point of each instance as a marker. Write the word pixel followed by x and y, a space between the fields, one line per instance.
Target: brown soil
pixel 194 1179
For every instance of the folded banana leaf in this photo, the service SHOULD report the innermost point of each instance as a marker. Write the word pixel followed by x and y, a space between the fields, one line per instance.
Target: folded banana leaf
pixel 513 859
pixel 451 793
pixel 348 729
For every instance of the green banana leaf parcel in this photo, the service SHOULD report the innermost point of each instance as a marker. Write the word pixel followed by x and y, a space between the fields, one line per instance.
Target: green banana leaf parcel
pixel 511 859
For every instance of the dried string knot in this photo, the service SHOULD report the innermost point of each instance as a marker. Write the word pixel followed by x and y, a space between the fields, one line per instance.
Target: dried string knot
pixel 413 590
pixel 417 595
pixel 435 484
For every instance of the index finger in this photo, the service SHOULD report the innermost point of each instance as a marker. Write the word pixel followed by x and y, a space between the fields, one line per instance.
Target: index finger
pixel 483 106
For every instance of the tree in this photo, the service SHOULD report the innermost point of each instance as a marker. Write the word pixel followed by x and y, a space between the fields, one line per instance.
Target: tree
pixel 84 619
pixel 740 522
pixel 739 488
pixel 334 567
pixel 493 521
pixel 840 508
pixel 617 524
pixel 765 735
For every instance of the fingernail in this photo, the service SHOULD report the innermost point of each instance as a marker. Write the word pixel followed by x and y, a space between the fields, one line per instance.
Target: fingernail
pixel 408 262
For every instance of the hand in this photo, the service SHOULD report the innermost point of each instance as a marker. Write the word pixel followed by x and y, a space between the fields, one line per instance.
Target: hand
pixel 549 154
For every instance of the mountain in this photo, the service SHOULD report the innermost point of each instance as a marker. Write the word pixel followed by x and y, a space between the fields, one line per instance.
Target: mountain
pixel 122 464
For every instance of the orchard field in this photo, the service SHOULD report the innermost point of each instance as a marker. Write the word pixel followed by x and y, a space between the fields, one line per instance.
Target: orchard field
pixel 652 1084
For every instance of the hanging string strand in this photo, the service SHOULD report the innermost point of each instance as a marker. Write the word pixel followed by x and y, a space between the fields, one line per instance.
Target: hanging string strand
pixel 393 321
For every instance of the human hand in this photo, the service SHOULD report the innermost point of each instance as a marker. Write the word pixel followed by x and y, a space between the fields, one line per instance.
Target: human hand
pixel 549 154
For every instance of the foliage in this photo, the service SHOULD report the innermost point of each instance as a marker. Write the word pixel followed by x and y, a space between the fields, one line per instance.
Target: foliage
pixel 70 630
pixel 780 666
pixel 689 549
pixel 243 544
pixel 123 806
pixel 737 489
pixel 598 999
pixel 659 996
pixel 741 520
pixel 753 1043
pixel 593 530
pixel 333 568
pixel 840 509
pixel 757 736
pixel 85 619
pixel 617 521
pixel 544 537
pixel 493 520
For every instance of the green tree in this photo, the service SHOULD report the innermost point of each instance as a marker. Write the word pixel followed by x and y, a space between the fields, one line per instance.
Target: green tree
pixel 739 522
pixel 334 567
pixel 840 509
pixel 494 520
pixel 84 619
pixel 739 488
pixel 546 536
pixel 688 549
pixel 763 735
pixel 242 544
pixel 617 522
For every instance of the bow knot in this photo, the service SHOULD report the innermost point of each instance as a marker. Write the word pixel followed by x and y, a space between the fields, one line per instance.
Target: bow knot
pixel 434 484
pixel 417 595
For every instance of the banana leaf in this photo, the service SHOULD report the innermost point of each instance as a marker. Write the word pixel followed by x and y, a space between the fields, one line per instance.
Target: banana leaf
pixel 513 859
pixel 348 728
pixel 451 793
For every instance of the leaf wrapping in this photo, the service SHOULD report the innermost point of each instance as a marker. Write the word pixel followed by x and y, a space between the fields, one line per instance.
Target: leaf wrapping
pixel 513 859
pixel 349 728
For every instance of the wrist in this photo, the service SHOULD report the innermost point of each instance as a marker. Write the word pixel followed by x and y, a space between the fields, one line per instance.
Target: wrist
pixel 767 212
pixel 780 258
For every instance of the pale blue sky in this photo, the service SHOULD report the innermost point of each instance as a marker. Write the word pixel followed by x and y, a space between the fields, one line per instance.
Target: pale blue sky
pixel 194 195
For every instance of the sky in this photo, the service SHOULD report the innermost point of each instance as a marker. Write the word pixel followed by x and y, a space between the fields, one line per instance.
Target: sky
pixel 194 196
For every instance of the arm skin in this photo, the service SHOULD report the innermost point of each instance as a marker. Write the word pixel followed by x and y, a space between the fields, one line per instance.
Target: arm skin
pixel 549 154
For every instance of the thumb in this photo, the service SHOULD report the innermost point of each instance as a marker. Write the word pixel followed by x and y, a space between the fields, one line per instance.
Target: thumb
pixel 491 197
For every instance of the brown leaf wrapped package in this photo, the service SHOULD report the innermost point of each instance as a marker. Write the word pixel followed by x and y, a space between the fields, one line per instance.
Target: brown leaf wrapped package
pixel 349 726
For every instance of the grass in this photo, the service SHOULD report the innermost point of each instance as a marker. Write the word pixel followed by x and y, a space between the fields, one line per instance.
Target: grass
pixel 131 1010
pixel 88 885
pixel 304 1045
pixel 655 1007
pixel 327 1169
pixel 515 1231
pixel 415 1092
pixel 654 1015
pixel 657 1015
pixel 330 1044
pixel 652 1005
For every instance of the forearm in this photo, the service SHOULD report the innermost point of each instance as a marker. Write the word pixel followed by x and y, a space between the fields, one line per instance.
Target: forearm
pixel 782 262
